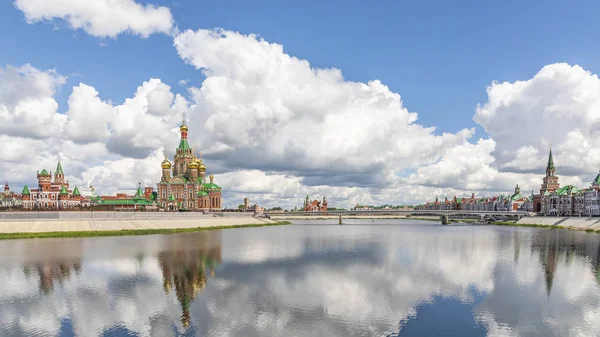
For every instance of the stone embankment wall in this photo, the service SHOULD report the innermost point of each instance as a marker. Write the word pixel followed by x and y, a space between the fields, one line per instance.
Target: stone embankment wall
pixel 576 222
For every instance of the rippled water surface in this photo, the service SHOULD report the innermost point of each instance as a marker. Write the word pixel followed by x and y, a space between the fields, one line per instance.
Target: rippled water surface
pixel 364 278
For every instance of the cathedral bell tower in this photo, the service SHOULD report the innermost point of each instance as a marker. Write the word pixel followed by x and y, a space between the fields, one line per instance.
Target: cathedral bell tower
pixel 183 154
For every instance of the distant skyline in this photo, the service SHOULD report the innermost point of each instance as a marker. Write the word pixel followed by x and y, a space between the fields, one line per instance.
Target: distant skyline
pixel 386 103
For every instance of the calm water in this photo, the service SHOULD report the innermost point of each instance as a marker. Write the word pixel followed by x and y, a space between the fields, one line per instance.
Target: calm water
pixel 387 278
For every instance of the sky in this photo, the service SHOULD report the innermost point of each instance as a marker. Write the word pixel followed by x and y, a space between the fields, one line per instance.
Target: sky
pixel 377 103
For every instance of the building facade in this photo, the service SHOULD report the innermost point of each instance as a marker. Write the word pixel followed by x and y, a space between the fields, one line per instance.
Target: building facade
pixel 9 198
pixel 315 205
pixel 52 194
pixel 183 183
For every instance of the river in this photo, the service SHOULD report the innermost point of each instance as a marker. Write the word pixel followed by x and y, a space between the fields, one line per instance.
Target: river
pixel 363 278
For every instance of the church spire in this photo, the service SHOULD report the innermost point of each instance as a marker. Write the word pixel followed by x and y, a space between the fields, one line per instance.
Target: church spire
pixel 550 161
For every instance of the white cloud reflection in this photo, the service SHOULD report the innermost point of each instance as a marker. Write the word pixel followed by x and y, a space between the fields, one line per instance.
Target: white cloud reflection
pixel 335 281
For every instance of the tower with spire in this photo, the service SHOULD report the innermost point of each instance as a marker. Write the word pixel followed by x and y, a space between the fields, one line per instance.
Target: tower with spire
pixel 59 175
pixel 550 181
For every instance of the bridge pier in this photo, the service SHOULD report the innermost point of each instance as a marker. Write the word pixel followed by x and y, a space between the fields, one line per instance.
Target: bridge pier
pixel 340 219
pixel 444 219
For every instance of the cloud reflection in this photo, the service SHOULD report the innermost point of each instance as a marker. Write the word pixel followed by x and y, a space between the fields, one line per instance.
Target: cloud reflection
pixel 300 281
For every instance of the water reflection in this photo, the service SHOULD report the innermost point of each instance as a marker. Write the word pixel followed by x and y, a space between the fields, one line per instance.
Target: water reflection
pixel 381 280
pixel 186 270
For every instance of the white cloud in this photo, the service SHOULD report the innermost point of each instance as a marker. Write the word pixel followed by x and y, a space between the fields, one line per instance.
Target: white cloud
pixel 261 108
pixel 560 105
pixel 101 18
pixel 27 105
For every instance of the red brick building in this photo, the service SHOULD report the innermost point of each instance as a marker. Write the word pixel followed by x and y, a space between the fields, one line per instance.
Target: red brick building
pixel 315 205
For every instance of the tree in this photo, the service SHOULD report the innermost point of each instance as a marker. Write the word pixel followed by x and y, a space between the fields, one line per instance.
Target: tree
pixel 241 206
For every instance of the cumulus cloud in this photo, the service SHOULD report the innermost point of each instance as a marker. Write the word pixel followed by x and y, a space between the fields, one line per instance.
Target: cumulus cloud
pixel 560 105
pixel 101 18
pixel 262 108
pixel 27 105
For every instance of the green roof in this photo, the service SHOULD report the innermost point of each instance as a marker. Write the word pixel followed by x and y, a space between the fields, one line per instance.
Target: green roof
pixel 209 186
pixel 568 189
pixel 126 202
pixel 596 180
pixel 59 168
pixel 44 172
pixel 63 190
pixel 183 145
pixel 202 193
pixel 76 191
pixel 25 190
pixel 139 194
pixel 171 198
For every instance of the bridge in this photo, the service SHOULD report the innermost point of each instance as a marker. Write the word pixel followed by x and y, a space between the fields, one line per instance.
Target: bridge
pixel 443 214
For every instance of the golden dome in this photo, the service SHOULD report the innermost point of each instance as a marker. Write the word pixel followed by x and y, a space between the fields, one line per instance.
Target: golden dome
pixel 193 164
pixel 183 127
pixel 202 167
pixel 166 164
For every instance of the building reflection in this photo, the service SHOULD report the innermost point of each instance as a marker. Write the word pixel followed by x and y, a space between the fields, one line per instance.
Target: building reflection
pixel 186 270
pixel 551 245
pixel 55 261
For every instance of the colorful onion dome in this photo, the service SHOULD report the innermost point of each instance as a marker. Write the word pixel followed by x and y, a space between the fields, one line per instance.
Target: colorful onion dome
pixel 166 164
pixel 183 127
pixel 193 165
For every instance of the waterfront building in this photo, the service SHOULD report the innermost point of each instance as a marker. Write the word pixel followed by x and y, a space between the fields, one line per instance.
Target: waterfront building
pixel 52 194
pixel 315 205
pixel 549 185
pixel 141 200
pixel 592 198
pixel 552 200
pixel 9 198
pixel 183 183
pixel 256 208
pixel 527 205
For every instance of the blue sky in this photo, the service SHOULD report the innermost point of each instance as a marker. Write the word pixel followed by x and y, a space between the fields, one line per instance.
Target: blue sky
pixel 438 55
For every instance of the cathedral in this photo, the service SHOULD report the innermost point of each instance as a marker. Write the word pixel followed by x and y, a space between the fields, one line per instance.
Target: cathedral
pixel 183 184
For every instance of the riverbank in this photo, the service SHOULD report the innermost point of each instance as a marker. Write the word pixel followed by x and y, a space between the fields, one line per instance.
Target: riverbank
pixel 591 225
pixel 80 228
